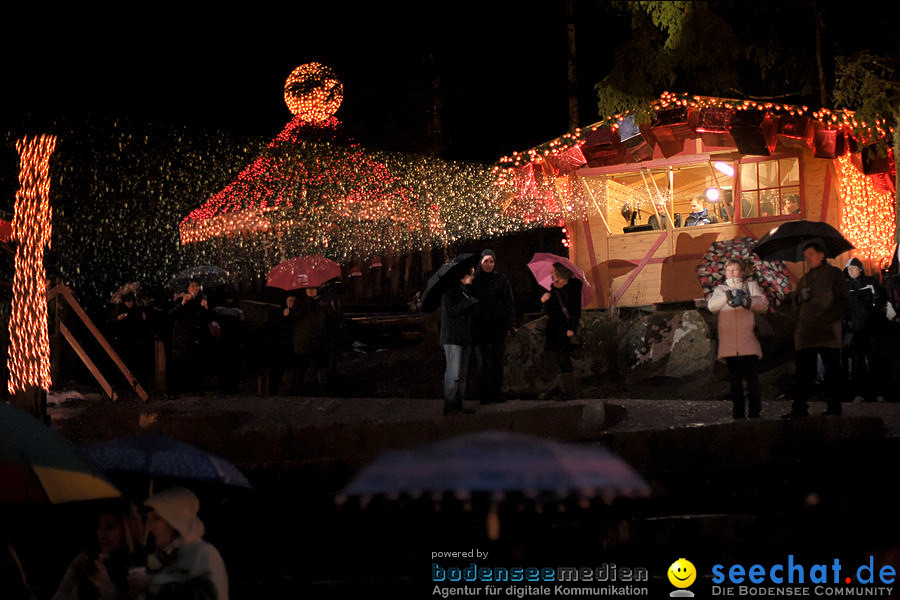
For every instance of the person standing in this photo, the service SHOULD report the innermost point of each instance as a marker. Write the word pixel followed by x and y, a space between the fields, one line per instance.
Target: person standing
pixel 457 306
pixel 493 320
pixel 191 317
pixel 562 305
pixel 860 334
pixel 820 302
pixel 734 303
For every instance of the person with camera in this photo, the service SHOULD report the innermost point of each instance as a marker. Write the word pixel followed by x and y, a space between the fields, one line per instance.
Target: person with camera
pixel 734 303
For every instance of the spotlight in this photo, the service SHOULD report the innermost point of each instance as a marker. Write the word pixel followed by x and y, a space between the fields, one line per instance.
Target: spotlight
pixel 724 167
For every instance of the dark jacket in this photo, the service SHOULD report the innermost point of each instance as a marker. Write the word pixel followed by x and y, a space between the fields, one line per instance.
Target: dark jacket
pixel 697 218
pixel 820 317
pixel 190 328
pixel 457 306
pixel 312 326
pixel 494 314
pixel 861 316
pixel 563 311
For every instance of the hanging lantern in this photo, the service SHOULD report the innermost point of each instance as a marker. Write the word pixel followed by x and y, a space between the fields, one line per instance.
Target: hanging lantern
pixel 602 147
pixel 637 142
pixel 747 131
pixel 714 126
pixel 829 143
pixel 795 132
pixel 672 127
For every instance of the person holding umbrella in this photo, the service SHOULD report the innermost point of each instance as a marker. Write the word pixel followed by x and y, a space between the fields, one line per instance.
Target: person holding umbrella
pixel 562 304
pixel 184 565
pixel 492 322
pixel 820 302
pixel 457 306
pixel 191 317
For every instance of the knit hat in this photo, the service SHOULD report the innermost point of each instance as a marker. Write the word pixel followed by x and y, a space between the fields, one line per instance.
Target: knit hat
pixel 854 262
pixel 179 506
pixel 485 254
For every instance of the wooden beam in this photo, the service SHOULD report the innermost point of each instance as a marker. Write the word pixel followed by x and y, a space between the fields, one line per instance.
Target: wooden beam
pixel 66 293
pixel 640 266
pixel 83 355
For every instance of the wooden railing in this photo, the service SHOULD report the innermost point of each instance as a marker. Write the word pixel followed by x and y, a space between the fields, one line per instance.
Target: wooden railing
pixel 62 293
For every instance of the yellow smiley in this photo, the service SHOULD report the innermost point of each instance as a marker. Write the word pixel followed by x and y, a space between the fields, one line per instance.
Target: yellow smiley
pixel 682 573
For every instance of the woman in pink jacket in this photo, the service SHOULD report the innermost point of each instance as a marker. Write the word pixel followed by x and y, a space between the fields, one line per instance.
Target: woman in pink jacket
pixel 734 302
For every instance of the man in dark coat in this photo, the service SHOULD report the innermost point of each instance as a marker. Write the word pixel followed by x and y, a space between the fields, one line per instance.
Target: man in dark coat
pixel 457 306
pixel 191 317
pixel 820 302
pixel 860 351
pixel 311 322
pixel 493 320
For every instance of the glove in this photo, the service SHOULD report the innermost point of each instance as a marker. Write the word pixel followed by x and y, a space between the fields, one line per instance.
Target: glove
pixel 734 298
pixel 746 300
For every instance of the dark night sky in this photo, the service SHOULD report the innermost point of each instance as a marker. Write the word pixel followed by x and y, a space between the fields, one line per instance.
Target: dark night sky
pixel 502 66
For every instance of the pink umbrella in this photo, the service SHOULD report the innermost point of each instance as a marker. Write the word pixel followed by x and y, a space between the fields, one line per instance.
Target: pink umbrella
pixel 541 266
pixel 303 272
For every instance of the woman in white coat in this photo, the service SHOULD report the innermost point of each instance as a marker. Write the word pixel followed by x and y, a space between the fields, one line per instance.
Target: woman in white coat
pixel 734 302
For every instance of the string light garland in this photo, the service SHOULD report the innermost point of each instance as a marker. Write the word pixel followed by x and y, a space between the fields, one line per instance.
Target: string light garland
pixel 309 192
pixel 867 217
pixel 866 133
pixel 313 92
pixel 29 348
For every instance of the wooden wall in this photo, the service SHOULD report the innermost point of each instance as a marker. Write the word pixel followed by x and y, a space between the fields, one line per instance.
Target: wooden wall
pixel 645 268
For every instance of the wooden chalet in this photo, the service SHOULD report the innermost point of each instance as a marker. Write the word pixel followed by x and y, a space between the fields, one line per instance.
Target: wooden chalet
pixel 625 191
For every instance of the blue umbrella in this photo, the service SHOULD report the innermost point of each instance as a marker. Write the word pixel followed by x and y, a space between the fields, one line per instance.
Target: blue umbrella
pixel 498 464
pixel 160 457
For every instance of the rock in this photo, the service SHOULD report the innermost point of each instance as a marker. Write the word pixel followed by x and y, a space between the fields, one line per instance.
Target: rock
pixel 593 420
pixel 673 344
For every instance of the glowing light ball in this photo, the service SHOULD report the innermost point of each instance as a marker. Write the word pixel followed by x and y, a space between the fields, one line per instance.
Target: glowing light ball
pixel 313 92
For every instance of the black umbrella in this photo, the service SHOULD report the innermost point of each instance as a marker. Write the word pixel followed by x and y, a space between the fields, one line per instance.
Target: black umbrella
pixel 447 274
pixel 207 275
pixel 785 241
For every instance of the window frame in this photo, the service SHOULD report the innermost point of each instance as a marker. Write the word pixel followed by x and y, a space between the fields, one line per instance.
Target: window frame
pixel 755 161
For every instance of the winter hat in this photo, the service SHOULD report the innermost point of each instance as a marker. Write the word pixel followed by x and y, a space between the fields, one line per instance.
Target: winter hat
pixel 179 506
pixel 854 262
pixel 485 254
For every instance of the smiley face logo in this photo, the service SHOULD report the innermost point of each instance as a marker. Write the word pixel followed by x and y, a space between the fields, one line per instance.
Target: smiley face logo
pixel 682 573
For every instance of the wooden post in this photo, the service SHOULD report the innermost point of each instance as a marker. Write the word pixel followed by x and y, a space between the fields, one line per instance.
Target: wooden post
pixel 159 362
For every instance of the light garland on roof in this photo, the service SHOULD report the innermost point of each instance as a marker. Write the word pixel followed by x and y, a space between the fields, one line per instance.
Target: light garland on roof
pixel 29 347
pixel 832 119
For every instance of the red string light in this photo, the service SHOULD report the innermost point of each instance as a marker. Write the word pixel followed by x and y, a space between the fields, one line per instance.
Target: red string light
pixel 29 349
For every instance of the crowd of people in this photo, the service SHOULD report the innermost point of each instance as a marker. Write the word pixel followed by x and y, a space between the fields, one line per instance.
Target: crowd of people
pixel 477 317
pixel 844 320
pixel 210 345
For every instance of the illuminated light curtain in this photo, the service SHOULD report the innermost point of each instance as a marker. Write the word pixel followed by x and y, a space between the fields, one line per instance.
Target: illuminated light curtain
pixel 29 347
pixel 868 215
